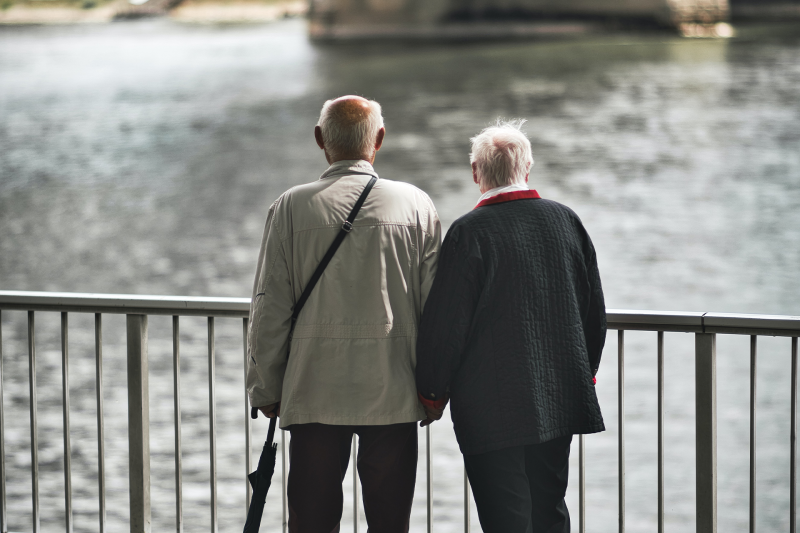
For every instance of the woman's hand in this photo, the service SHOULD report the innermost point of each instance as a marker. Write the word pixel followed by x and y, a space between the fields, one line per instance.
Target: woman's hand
pixel 433 413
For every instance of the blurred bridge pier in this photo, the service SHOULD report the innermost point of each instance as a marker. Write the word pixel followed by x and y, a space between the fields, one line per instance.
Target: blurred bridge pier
pixel 475 19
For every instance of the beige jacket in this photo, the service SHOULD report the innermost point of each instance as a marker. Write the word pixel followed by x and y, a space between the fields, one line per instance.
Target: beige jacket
pixel 353 350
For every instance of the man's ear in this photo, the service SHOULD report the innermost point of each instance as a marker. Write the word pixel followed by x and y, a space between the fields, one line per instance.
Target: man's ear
pixel 475 173
pixel 379 138
pixel 318 137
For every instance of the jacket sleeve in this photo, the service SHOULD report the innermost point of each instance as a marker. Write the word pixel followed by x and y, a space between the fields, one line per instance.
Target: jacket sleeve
pixel 448 315
pixel 270 317
pixel 594 324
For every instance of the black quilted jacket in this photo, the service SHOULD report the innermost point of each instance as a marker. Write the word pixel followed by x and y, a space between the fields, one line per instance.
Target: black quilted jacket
pixel 514 326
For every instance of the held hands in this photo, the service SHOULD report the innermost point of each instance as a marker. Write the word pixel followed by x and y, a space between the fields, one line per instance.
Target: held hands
pixel 433 413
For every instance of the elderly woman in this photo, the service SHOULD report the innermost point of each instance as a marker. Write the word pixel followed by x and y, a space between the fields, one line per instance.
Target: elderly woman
pixel 512 333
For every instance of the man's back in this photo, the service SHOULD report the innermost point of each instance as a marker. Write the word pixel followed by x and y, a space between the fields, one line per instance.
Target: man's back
pixel 350 370
pixel 353 348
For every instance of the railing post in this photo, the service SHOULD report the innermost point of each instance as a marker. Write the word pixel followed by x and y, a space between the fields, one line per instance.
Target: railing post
pixel 138 424
pixel 3 519
pixel 355 485
pixel 247 428
pixel 176 398
pixel 65 403
pixel 284 482
pixel 101 425
pixel 660 432
pixel 212 425
pixel 581 484
pixel 706 431
pixel 466 502
pixel 34 424
pixel 793 444
pixel 621 425
pixel 428 480
pixel 753 381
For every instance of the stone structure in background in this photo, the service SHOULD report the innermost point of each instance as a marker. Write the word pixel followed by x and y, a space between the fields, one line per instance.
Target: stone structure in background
pixel 697 11
pixel 431 19
pixel 334 19
pixel 765 10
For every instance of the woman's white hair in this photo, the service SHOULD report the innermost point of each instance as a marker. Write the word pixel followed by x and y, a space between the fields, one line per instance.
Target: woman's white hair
pixel 346 136
pixel 502 154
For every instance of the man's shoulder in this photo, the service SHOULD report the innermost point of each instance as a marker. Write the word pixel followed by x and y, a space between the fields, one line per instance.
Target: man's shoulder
pixel 406 204
pixel 300 196
pixel 402 189
pixel 303 189
pixel 394 200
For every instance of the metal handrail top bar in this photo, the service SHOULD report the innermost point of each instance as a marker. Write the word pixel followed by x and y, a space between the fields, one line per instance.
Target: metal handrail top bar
pixel 239 307
pixel 124 303
pixel 654 320
pixel 732 323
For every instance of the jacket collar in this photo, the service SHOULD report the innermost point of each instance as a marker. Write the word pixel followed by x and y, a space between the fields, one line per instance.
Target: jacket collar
pixel 348 167
pixel 508 196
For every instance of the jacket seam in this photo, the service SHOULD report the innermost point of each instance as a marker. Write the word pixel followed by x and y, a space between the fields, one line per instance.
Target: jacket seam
pixel 296 413
pixel 377 224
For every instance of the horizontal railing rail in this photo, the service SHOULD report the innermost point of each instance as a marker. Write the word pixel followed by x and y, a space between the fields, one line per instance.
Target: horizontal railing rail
pixel 687 322
pixel 124 304
pixel 705 326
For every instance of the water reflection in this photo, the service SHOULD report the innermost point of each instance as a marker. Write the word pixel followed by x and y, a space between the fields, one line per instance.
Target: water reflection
pixel 141 157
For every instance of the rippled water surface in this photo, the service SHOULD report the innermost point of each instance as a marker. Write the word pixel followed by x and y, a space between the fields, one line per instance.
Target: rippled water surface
pixel 141 157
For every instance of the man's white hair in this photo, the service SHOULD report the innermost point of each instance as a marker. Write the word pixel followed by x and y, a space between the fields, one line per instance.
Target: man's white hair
pixel 344 137
pixel 502 154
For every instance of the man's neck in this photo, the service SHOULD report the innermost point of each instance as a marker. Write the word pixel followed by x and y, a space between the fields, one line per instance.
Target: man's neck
pixel 331 160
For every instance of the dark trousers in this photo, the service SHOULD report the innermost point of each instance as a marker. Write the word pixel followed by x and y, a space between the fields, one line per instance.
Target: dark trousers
pixel 521 489
pixel 387 467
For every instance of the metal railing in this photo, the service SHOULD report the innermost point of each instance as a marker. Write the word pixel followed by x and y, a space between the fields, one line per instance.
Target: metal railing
pixel 705 326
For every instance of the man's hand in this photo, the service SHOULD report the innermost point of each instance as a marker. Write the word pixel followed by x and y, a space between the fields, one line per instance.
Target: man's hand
pixel 433 413
pixel 272 410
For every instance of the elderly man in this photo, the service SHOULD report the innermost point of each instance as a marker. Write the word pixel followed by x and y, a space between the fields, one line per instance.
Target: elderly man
pixel 513 331
pixel 349 368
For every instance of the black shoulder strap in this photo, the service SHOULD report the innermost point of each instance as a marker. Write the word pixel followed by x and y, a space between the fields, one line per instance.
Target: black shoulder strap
pixel 346 227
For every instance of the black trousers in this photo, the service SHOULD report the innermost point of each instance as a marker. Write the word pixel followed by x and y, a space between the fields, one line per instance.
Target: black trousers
pixel 387 467
pixel 522 489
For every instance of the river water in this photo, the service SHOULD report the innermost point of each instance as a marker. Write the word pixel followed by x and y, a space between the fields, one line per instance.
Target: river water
pixel 140 157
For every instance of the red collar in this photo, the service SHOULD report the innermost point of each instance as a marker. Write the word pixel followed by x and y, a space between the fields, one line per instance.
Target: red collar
pixel 509 196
